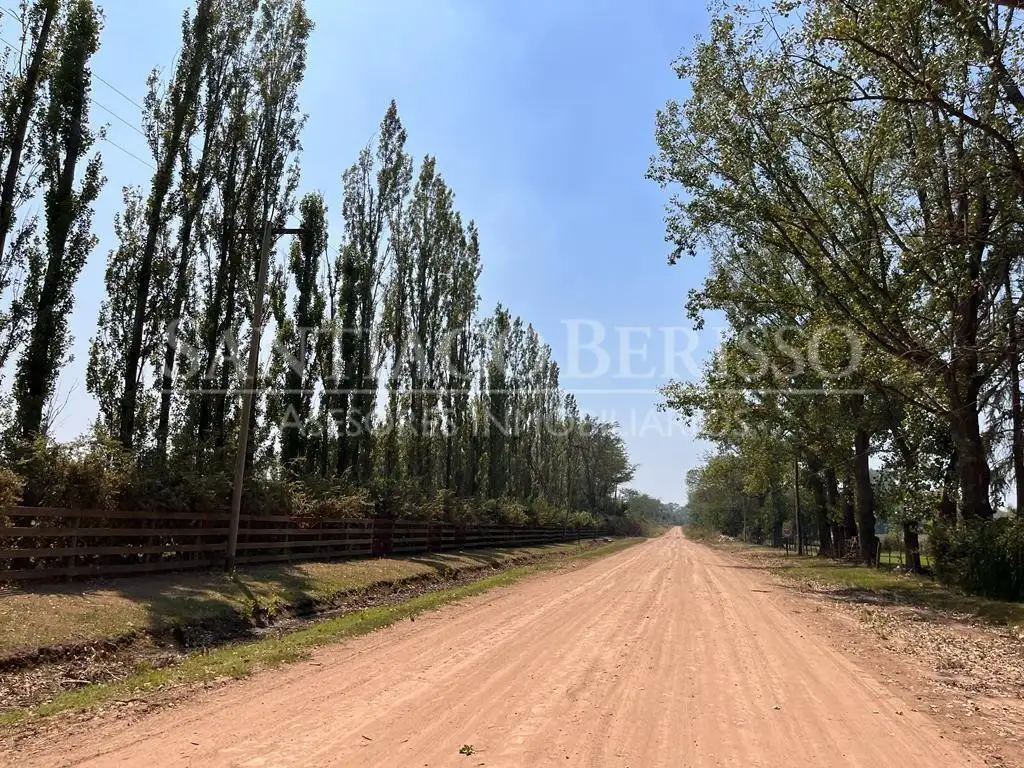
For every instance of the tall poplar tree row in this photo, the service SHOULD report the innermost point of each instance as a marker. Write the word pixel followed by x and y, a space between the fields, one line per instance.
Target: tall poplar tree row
pixel 375 188
pixel 294 365
pixel 382 380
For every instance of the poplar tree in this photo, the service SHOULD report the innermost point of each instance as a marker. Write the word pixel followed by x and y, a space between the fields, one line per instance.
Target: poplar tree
pixel 294 363
pixel 375 189
pixel 18 103
pixel 65 140
pixel 171 124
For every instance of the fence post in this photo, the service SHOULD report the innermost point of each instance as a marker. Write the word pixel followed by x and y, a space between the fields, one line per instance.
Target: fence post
pixel 70 559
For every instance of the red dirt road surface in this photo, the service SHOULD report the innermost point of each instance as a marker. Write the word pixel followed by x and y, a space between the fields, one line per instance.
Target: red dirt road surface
pixel 664 654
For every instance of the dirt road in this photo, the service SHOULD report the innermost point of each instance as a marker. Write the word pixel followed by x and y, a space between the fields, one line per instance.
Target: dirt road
pixel 665 654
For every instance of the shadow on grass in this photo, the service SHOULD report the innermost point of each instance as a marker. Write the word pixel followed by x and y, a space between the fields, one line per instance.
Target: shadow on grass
pixel 864 585
pixel 780 567
pixel 492 558
pixel 201 608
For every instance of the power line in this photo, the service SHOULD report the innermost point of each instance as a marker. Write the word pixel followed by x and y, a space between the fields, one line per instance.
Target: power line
pixel 104 138
pixel 111 86
pixel 112 112
pixel 120 93
pixel 13 15
pixel 130 154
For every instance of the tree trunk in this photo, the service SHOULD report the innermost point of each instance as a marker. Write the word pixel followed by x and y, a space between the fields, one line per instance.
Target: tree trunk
pixel 972 462
pixel 963 383
pixel 849 502
pixel 836 509
pixel 912 546
pixel 796 507
pixel 814 480
pixel 947 506
pixel 864 497
pixel 1016 421
pixel 863 494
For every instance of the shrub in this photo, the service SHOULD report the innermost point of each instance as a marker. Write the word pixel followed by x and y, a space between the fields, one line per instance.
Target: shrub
pixel 582 519
pixel 397 499
pixel 352 505
pixel 624 525
pixel 438 506
pixel 272 496
pixel 542 512
pixel 699 532
pixel 463 511
pixel 983 558
pixel 511 512
pixel 154 490
pixel 90 473
pixel 11 487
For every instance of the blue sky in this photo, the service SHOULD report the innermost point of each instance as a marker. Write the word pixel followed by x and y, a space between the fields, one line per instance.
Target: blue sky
pixel 541 116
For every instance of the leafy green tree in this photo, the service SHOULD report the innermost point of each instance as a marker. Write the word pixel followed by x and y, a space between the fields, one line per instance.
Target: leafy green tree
pixel 256 178
pixel 459 306
pixel 108 348
pixel 375 190
pixel 18 103
pixel 171 124
pixel 195 184
pixel 796 144
pixel 64 140
pixel 294 365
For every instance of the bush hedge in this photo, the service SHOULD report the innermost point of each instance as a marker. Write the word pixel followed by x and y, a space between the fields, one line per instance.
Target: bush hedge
pixel 983 558
pixel 95 473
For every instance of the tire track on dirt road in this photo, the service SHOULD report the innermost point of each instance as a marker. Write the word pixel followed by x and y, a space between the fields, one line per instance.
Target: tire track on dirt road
pixel 664 654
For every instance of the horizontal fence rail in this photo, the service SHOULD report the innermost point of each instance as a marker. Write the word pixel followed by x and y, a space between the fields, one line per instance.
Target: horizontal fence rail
pixel 46 543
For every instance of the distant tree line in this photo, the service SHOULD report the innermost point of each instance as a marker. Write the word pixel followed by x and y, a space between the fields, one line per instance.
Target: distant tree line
pixel 854 172
pixel 644 509
pixel 384 388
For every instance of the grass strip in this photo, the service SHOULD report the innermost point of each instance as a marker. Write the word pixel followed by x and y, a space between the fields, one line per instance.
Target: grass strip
pixel 893 587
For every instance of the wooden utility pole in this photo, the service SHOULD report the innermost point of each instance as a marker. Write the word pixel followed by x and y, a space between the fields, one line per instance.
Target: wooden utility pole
pixel 248 392
pixel 796 490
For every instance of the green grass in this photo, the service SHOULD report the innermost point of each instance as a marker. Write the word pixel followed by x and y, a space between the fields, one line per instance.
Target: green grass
pixel 894 559
pixel 237 660
pixel 41 616
pixel 901 588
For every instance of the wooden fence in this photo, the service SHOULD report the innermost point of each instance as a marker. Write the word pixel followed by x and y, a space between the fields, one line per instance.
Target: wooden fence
pixel 38 543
